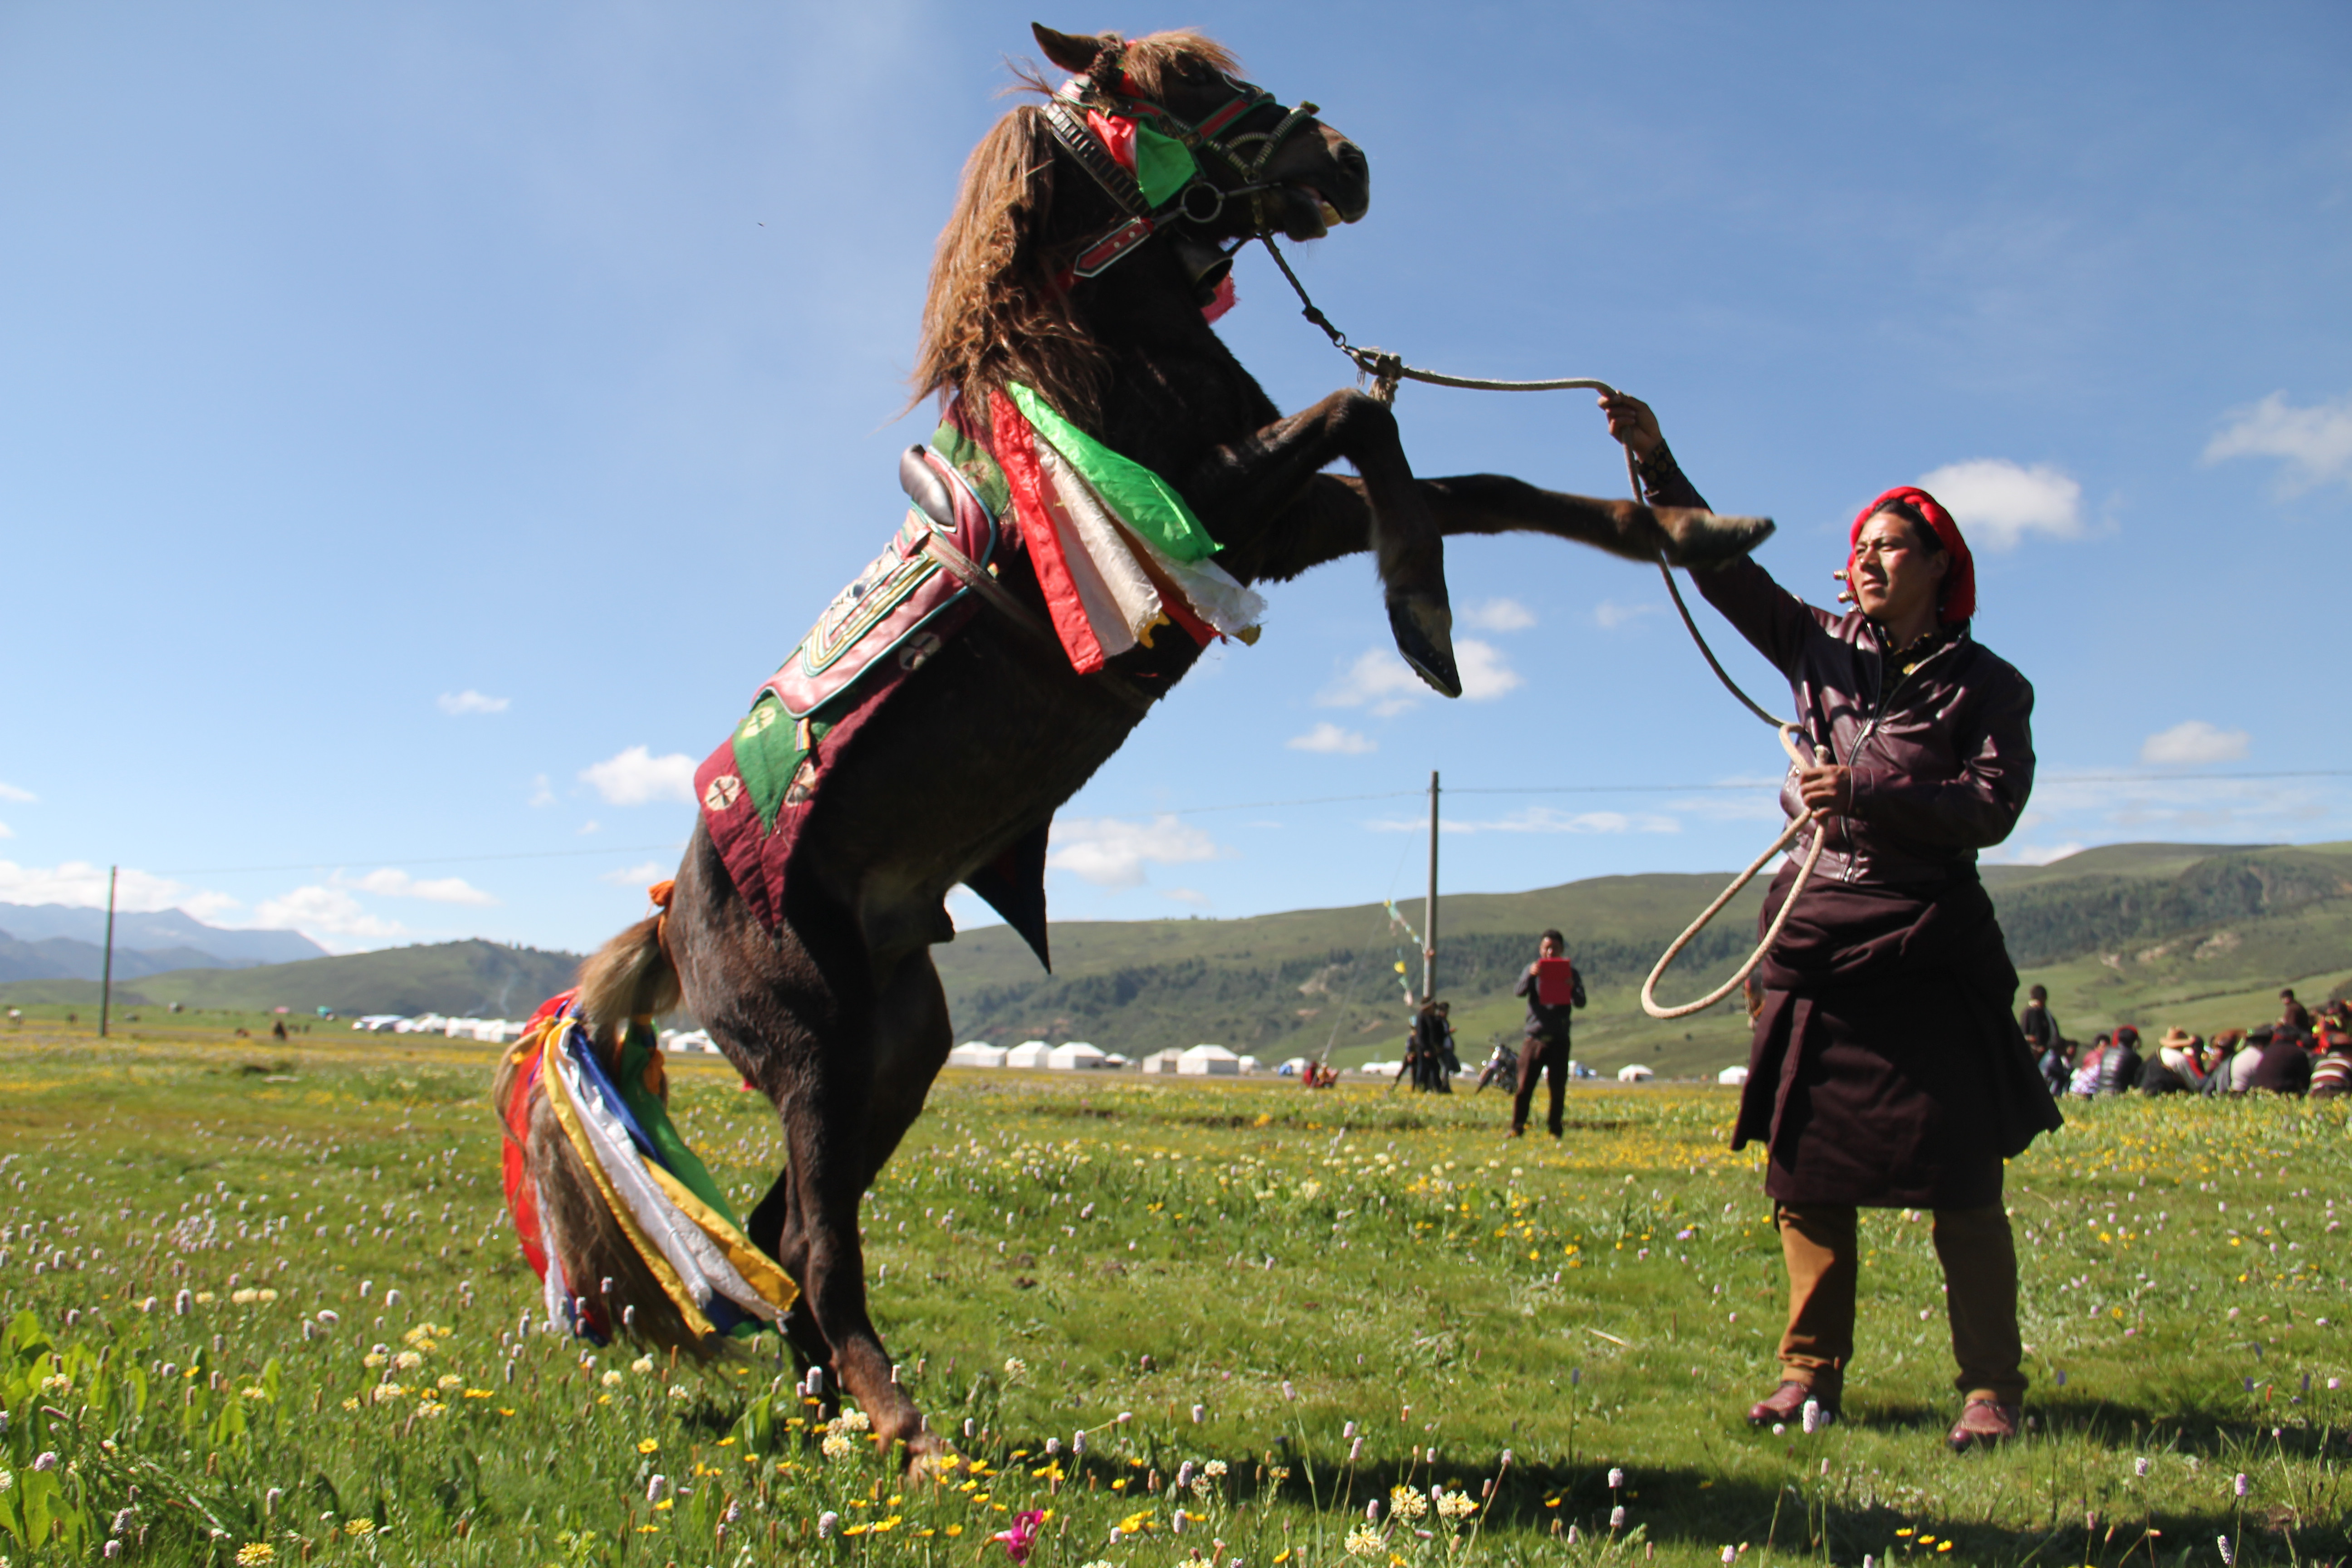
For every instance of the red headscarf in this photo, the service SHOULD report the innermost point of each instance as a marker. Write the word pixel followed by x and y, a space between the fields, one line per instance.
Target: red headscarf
pixel 1960 600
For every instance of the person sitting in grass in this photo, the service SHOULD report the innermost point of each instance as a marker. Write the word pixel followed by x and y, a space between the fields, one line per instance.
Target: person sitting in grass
pixel 1886 1069
pixel 2220 1052
pixel 2177 1069
pixel 2284 1064
pixel 2089 1066
pixel 2119 1072
pixel 2331 1075
pixel 2058 1067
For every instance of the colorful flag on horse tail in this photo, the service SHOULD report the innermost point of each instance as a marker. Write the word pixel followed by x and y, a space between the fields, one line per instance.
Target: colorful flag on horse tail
pixel 659 1194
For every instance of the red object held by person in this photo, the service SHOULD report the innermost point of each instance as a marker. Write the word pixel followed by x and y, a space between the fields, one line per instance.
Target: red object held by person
pixel 1555 981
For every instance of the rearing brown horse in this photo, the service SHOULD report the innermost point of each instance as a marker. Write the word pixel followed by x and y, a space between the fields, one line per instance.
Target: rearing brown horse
pixel 835 1011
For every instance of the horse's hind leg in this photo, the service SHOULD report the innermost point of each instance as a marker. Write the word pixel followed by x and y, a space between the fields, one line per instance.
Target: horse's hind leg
pixel 843 1110
pixel 909 1038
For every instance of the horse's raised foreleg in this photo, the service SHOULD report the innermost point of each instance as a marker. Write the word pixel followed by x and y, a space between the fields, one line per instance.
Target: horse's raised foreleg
pixel 1249 484
pixel 1336 518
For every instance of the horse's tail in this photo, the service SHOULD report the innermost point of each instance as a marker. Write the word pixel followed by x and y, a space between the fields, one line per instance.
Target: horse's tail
pixel 611 1286
pixel 630 978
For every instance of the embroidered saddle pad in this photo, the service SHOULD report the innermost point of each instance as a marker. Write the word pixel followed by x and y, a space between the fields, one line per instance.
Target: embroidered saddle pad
pixel 755 789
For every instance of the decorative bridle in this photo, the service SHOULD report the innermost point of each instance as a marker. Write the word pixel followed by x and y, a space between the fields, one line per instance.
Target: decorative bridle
pixel 1199 201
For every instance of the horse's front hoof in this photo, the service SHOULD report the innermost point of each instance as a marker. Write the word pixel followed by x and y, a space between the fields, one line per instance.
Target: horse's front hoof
pixel 1708 539
pixel 1423 629
pixel 930 1459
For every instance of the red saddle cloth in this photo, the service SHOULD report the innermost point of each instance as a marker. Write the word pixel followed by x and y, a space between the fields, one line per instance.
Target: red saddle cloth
pixel 756 789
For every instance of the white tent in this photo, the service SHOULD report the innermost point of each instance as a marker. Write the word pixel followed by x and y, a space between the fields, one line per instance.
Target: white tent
pixel 1291 1069
pixel 1204 1061
pixel 1251 1064
pixel 1578 1069
pixel 1634 1072
pixel 1378 1069
pixel 1076 1056
pixel 1162 1061
pixel 1732 1075
pixel 976 1054
pixel 1027 1054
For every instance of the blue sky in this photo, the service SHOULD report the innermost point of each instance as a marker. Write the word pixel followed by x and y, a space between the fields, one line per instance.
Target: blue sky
pixel 423 425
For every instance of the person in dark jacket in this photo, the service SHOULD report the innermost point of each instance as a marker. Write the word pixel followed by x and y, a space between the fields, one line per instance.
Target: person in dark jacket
pixel 2293 1015
pixel 2120 1070
pixel 2038 1024
pixel 1546 1050
pixel 2057 1067
pixel 2285 1064
pixel 1887 1069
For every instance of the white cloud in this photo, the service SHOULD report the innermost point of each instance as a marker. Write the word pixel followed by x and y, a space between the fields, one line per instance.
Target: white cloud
pixel 1379 680
pixel 1328 738
pixel 328 916
pixel 1382 681
pixel 9 792
pixel 1192 896
pixel 2315 443
pixel 1609 614
pixel 470 702
pixel 1538 819
pixel 397 884
pixel 1497 616
pixel 81 884
pixel 7 831
pixel 636 777
pixel 540 795
pixel 1112 853
pixel 2030 854
pixel 1998 503
pixel 643 875
pixel 1485 673
pixel 2194 741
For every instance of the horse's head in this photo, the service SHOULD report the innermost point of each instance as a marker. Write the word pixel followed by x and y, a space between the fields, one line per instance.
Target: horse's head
pixel 1220 157
pixel 1154 143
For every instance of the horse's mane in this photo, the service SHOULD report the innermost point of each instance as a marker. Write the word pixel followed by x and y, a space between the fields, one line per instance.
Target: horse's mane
pixel 997 310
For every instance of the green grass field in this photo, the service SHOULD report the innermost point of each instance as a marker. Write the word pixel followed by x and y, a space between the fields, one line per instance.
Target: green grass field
pixel 1221 1276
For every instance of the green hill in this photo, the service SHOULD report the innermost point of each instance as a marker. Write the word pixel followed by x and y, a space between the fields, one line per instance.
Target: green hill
pixel 2144 933
pixel 473 979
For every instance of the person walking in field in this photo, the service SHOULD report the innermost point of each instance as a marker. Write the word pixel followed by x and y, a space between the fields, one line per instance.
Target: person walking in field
pixel 1554 990
pixel 1886 1069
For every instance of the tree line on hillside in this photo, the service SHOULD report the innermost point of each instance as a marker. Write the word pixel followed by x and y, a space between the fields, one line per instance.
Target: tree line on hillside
pixel 2046 923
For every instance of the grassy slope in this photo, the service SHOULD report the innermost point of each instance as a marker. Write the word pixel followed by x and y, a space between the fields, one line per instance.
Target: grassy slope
pixel 1287 1262
pixel 1137 986
pixel 2151 934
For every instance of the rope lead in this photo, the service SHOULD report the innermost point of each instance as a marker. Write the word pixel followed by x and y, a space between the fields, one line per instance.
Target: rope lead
pixel 1386 371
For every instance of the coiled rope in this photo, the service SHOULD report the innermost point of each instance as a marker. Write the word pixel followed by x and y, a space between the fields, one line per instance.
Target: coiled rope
pixel 1387 370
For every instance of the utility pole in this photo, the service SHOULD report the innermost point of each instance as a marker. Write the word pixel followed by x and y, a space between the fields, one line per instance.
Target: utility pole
pixel 105 980
pixel 1429 910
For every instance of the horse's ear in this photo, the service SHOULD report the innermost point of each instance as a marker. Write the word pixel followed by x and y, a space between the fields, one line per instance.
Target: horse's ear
pixel 1072 51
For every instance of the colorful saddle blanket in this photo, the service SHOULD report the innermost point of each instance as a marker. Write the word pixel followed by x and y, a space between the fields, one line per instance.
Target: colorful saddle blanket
pixel 1117 553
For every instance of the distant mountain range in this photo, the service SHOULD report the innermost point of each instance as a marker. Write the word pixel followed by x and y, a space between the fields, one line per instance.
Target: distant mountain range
pixel 462 979
pixel 63 942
